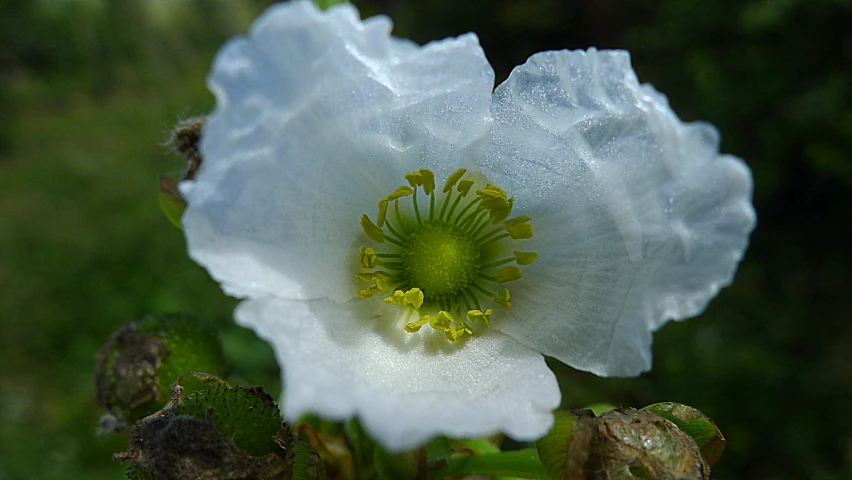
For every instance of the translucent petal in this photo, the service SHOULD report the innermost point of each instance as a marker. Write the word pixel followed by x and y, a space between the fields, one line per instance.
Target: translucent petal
pixel 341 360
pixel 638 219
pixel 318 117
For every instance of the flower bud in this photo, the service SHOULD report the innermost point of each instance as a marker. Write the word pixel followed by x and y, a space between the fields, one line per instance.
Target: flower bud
pixel 140 361
pixel 620 444
pixel 210 429
pixel 700 427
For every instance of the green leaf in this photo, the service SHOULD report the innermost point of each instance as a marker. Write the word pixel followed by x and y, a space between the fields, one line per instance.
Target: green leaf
pixel 172 202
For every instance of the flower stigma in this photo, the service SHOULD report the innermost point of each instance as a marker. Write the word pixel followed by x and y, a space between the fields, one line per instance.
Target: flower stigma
pixel 444 261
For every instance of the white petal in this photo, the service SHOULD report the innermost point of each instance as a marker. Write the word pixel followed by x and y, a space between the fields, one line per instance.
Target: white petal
pixel 341 360
pixel 638 218
pixel 318 117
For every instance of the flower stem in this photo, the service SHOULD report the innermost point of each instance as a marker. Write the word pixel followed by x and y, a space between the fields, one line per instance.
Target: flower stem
pixel 517 463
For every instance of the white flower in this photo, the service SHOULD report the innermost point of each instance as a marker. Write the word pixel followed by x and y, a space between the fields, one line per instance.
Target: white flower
pixel 638 219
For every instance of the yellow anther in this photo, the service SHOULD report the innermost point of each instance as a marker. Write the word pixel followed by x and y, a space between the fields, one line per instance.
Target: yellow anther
pixel 451 334
pixel 415 326
pixel 525 258
pixel 503 298
pixel 499 214
pixel 520 231
pixel 383 211
pixel 508 274
pixel 474 316
pixel 400 192
pixel 415 179
pixel 372 231
pixel 368 258
pixel 428 180
pixel 414 297
pixel 463 330
pixel 493 198
pixel 397 298
pixel 368 292
pixel 464 186
pixel 379 281
pixel 453 179
pixel 517 220
pixel 443 322
pixel 492 191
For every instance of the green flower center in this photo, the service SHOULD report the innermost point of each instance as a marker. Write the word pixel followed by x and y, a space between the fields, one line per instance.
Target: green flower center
pixel 447 258
pixel 441 260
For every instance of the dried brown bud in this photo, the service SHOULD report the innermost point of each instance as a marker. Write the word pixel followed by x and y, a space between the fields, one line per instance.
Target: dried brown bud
pixel 126 376
pixel 636 444
pixel 210 429
pixel 140 361
pixel 624 444
pixel 700 427
pixel 184 139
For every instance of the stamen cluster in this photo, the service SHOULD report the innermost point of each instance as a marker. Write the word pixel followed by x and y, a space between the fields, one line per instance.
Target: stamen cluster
pixel 443 262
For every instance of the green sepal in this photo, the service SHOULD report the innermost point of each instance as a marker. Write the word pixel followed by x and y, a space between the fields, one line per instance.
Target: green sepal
pixel 599 408
pixel 396 466
pixel 326 4
pixel 565 449
pixel 515 463
pixel 437 452
pixel 700 427
pixel 303 462
pixel 362 448
pixel 172 202
pixel 246 415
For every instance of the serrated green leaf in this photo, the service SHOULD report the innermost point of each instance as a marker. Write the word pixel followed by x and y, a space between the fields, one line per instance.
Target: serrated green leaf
pixel 197 381
pixel 248 416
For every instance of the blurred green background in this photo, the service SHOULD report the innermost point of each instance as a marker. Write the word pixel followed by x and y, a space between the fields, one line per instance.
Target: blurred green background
pixel 90 88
